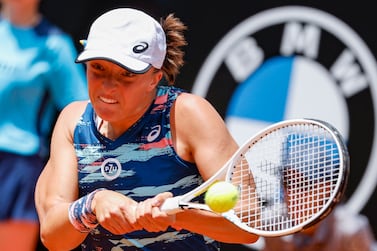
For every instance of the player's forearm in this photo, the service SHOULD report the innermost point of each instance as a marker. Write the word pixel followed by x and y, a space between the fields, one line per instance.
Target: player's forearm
pixel 213 226
pixel 57 232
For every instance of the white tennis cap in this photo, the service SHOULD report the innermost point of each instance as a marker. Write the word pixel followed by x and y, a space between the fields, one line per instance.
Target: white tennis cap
pixel 127 37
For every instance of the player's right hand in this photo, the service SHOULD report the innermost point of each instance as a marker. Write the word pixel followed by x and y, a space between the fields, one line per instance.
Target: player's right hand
pixel 115 212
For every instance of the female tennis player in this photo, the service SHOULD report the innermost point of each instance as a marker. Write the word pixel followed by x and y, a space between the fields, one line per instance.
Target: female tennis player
pixel 138 141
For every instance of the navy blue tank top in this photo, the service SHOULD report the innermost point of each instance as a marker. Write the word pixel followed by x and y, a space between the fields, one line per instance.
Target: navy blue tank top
pixel 139 164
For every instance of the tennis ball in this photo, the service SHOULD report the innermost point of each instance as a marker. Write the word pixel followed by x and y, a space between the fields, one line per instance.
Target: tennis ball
pixel 221 196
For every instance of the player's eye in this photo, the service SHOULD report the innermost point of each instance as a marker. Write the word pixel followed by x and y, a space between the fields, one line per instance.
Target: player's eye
pixel 127 74
pixel 96 66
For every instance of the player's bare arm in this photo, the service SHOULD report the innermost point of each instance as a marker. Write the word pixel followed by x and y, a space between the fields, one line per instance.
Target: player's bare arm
pixel 57 186
pixel 201 137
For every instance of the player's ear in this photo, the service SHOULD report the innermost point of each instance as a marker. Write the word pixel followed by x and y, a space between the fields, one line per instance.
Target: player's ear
pixel 156 78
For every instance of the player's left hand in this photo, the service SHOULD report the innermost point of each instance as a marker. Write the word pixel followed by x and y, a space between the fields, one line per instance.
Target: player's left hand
pixel 149 215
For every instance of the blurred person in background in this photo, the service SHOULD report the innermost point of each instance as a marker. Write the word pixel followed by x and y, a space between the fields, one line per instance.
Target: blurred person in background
pixel 342 230
pixel 38 77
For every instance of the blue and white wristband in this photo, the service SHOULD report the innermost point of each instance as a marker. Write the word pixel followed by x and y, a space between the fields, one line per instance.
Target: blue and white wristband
pixel 81 215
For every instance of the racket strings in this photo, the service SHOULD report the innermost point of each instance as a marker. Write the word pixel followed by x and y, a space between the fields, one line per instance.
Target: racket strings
pixel 283 187
pixel 243 179
pixel 311 173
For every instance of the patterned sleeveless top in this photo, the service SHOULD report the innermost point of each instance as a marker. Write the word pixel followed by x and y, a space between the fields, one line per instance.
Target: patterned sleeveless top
pixel 139 164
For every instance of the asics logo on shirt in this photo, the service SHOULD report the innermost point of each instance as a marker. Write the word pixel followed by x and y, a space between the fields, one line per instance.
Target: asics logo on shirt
pixel 154 133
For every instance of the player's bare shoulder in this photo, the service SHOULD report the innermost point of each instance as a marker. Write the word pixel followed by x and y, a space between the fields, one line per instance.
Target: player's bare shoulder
pixel 191 104
pixel 74 109
pixel 190 122
pixel 71 114
pixel 198 120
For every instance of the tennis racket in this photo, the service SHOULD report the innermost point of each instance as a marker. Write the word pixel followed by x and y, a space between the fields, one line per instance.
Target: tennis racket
pixel 290 176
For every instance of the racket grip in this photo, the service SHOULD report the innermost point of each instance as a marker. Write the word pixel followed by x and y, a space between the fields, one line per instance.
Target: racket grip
pixel 172 205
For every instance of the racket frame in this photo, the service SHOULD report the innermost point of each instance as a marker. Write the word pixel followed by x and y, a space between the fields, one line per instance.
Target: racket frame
pixel 179 203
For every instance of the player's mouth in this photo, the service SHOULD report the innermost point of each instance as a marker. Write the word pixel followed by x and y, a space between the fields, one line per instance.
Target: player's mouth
pixel 108 100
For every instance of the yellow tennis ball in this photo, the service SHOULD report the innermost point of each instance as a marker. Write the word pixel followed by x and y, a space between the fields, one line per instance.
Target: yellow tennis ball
pixel 221 196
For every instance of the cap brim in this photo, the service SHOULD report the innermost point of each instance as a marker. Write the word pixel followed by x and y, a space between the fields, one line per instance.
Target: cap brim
pixel 130 64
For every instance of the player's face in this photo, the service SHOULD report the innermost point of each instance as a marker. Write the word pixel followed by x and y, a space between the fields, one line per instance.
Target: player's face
pixel 118 95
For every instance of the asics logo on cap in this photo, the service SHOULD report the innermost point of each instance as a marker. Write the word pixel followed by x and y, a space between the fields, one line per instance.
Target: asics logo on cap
pixel 143 46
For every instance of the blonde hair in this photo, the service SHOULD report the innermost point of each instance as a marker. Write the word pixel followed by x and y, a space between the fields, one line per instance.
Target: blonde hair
pixel 175 40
